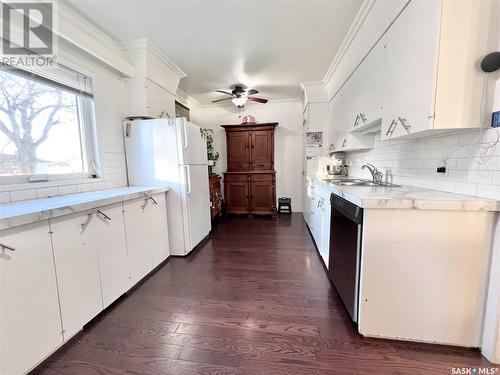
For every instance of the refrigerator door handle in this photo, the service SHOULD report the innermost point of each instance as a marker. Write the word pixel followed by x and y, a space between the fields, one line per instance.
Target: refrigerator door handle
pixel 188 179
pixel 184 127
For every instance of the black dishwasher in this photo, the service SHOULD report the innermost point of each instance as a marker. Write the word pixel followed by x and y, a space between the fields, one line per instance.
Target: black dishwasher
pixel 345 251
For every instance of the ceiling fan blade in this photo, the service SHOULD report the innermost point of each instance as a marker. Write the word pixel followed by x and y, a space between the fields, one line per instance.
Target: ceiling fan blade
pixel 220 100
pixel 259 100
pixel 224 92
pixel 252 92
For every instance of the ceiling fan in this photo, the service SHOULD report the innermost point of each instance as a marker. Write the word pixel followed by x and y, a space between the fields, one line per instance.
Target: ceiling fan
pixel 240 95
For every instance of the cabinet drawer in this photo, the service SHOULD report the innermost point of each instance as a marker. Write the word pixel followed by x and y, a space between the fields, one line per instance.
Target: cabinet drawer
pixel 263 177
pixel 262 166
pixel 235 167
pixel 236 177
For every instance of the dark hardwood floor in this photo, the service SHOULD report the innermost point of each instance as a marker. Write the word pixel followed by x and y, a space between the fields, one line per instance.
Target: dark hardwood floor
pixel 254 299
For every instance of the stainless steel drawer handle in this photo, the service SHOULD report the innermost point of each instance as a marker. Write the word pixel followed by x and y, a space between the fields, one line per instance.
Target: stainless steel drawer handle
pixel 88 220
pixel 5 247
pixel 103 215
pixel 147 199
pixel 391 128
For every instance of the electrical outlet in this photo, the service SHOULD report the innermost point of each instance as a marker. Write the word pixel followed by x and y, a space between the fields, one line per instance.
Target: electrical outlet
pixel 441 170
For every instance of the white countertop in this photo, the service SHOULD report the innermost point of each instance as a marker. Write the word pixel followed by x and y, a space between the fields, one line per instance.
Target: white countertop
pixel 409 197
pixel 25 212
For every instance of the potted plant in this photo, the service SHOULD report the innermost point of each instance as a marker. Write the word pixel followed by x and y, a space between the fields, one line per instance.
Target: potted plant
pixel 212 155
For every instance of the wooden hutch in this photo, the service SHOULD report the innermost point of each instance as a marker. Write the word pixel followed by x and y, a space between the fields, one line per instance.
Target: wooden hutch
pixel 250 179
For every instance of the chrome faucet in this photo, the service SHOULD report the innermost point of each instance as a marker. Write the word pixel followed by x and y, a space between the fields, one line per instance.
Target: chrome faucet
pixel 376 174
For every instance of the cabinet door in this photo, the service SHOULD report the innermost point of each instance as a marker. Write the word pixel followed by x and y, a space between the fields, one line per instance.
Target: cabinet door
pixel 409 70
pixel 262 150
pixel 262 192
pixel 112 252
pixel 236 193
pixel 325 230
pixel 147 234
pixel 160 248
pixel 159 101
pixel 367 89
pixel 138 223
pixel 77 267
pixel 238 151
pixel 30 323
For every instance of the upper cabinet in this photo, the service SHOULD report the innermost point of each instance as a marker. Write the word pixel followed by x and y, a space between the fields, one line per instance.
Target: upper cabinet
pixel 152 90
pixel 412 69
pixel 431 76
pixel 250 148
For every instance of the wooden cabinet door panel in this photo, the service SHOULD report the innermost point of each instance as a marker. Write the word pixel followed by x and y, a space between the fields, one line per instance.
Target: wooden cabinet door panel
pixel 262 189
pixel 236 193
pixel 238 151
pixel 262 149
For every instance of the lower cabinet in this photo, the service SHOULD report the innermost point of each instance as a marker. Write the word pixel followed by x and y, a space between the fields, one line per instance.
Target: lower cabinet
pixel 112 252
pixel 30 324
pixel 250 193
pixel 77 267
pixel 147 244
pixel 57 275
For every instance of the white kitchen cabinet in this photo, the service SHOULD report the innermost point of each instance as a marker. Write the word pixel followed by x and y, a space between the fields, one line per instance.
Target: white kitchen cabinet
pixel 366 90
pixel 324 247
pixel 431 81
pixel 112 252
pixel 146 98
pixel 409 70
pixel 342 122
pixel 30 323
pixel 77 268
pixel 147 234
pixel 159 231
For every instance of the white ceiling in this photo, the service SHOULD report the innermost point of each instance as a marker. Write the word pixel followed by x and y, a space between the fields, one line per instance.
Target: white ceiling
pixel 269 45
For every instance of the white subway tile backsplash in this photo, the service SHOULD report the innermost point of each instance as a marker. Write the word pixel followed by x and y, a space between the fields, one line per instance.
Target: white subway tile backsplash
pixel 114 174
pixel 472 162
pixel 22 195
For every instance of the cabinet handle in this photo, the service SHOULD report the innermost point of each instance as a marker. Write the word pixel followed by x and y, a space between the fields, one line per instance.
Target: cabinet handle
pixel 356 121
pixel 89 219
pixel 391 128
pixel 147 199
pixel 5 247
pixel 363 118
pixel 344 143
pixel 405 124
pixel 103 215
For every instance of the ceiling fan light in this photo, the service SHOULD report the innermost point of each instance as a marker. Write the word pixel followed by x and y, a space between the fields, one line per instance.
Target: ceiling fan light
pixel 239 101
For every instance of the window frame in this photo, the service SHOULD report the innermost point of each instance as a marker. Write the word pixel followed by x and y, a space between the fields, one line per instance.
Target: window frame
pixel 91 156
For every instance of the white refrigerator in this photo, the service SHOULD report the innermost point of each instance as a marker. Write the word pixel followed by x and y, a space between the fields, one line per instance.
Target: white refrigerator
pixel 173 152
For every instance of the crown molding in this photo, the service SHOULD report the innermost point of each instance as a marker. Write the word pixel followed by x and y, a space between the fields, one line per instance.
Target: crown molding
pixel 351 34
pixel 144 43
pixel 181 94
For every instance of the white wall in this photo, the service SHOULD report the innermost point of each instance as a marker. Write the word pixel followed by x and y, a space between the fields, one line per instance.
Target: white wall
pixel 288 140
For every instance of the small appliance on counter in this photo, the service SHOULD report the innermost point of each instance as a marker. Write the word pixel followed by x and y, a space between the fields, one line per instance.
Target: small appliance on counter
pixel 337 166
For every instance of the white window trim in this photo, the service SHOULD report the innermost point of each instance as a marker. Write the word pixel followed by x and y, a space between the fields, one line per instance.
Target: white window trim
pixel 89 141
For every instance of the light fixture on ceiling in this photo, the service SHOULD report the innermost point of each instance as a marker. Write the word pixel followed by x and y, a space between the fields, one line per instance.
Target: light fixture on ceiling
pixel 239 101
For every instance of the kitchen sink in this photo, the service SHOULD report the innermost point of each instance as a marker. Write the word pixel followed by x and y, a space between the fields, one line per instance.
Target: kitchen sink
pixel 357 182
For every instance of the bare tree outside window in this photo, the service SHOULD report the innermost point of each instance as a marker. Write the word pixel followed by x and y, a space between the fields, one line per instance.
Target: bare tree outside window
pixel 39 128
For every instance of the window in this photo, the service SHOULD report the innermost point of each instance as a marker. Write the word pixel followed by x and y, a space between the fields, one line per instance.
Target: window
pixel 46 124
